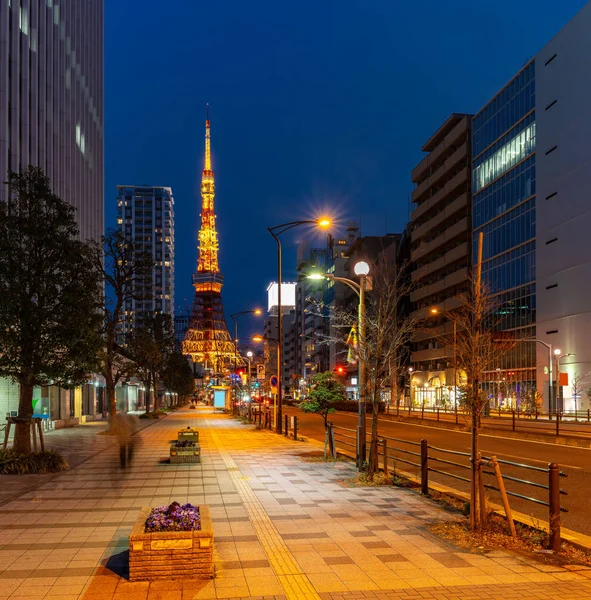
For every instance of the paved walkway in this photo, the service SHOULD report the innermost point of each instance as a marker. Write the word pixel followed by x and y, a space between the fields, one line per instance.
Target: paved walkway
pixel 284 528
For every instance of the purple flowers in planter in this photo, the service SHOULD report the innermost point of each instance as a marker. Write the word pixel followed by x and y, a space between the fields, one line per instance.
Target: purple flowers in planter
pixel 184 444
pixel 175 517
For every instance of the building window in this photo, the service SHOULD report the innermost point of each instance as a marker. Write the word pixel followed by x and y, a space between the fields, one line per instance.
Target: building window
pixel 24 20
pixel 514 151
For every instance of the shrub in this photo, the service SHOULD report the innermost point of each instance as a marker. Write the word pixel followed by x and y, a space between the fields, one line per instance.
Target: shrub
pixel 185 444
pixel 152 415
pixel 15 463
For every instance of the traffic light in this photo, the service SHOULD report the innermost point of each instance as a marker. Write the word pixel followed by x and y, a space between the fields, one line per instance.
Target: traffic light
pixel 340 370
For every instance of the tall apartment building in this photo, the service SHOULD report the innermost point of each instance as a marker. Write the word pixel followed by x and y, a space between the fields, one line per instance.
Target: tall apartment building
pixel 440 234
pixel 504 205
pixel 145 215
pixel 51 100
pixel 51 116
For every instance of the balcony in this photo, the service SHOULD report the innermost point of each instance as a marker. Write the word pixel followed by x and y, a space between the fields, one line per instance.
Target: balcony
pixel 452 256
pixel 451 186
pixel 453 207
pixel 425 248
pixel 441 150
pixel 435 288
pixel 432 354
pixel 461 154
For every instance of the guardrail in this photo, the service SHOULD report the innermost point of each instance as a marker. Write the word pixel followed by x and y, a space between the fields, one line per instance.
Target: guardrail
pixel 443 461
pixel 547 422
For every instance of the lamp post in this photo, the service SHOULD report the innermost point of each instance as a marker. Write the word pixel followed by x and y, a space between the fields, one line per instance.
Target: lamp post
pixel 276 231
pixel 234 317
pixel 262 338
pixel 248 357
pixel 361 269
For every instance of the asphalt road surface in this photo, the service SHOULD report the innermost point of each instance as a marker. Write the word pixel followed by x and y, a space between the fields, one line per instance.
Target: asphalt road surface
pixel 575 462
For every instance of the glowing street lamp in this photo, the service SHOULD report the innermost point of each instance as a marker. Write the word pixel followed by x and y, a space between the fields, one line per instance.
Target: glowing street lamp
pixel 361 269
pixel 321 223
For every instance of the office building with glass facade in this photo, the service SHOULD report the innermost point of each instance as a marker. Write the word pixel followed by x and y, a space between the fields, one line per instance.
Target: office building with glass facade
pixel 51 116
pixel 145 216
pixel 503 209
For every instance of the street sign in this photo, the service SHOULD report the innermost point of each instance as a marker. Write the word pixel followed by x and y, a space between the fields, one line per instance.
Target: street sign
pixel 261 372
pixel 274 381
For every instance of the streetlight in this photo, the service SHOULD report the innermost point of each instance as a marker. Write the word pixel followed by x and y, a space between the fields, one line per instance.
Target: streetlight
pixel 322 223
pixel 435 311
pixel 560 398
pixel 263 338
pixel 234 317
pixel 248 357
pixel 361 269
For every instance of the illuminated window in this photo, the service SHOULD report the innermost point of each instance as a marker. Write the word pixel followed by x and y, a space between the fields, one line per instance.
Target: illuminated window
pixel 56 14
pixel 514 151
pixel 24 20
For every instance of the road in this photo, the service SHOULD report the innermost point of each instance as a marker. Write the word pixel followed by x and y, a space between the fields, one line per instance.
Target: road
pixel 573 461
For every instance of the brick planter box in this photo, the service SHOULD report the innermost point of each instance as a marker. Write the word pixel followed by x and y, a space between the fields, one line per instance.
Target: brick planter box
pixel 185 455
pixel 172 554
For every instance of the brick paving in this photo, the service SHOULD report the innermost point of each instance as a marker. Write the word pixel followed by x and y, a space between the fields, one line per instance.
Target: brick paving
pixel 284 528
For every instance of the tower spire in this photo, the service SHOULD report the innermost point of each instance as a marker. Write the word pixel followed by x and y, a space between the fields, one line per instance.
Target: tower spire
pixel 207 140
pixel 208 237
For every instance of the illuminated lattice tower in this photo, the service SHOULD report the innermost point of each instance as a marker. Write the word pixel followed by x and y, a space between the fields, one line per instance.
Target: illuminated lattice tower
pixel 208 340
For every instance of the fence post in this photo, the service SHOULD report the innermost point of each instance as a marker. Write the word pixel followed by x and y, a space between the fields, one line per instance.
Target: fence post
pixel 295 428
pixel 554 506
pixel 409 407
pixel 536 413
pixel 385 446
pixel 422 411
pixel 260 411
pixel 588 415
pixel 286 426
pixel 557 423
pixel 513 420
pixel 424 468
pixel 456 412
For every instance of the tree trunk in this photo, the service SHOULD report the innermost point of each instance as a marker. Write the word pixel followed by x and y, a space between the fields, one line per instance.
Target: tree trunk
pixel 156 399
pixel 22 430
pixel 111 399
pixel 474 483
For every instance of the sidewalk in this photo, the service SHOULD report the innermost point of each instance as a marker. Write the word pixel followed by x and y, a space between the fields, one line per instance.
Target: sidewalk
pixel 284 528
pixel 76 444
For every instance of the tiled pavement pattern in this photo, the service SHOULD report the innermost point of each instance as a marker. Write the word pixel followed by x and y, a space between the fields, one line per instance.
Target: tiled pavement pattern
pixel 284 528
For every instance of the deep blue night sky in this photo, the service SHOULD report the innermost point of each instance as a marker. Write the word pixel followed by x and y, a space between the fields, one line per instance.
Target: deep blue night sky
pixel 313 104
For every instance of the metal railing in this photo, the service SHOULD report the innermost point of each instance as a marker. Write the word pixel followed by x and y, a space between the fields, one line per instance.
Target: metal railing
pixel 549 423
pixel 456 465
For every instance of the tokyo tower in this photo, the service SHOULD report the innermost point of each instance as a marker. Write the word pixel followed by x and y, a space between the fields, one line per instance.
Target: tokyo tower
pixel 208 340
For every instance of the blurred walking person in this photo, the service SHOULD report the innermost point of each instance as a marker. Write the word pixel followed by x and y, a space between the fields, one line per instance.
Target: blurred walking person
pixel 124 429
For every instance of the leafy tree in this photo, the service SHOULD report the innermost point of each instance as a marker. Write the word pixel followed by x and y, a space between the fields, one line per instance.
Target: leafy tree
pixel 177 375
pixel 50 294
pixel 126 272
pixel 326 390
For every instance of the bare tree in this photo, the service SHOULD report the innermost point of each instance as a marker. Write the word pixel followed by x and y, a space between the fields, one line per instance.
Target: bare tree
pixel 125 271
pixel 480 346
pixel 578 383
pixel 388 331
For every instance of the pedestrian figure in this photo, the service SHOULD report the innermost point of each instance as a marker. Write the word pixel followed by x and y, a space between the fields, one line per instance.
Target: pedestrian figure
pixel 124 429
